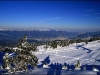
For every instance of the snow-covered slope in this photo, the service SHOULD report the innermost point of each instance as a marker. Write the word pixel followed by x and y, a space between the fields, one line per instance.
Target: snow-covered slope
pixel 86 53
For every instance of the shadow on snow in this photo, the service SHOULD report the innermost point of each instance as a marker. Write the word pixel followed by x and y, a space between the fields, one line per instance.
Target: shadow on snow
pixel 81 46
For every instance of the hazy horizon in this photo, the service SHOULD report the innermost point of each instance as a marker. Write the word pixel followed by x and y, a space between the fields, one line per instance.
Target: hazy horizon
pixel 68 30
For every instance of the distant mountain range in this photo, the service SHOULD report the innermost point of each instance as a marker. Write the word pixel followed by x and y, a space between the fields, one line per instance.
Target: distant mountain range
pixel 37 33
pixel 89 34
pixel 9 36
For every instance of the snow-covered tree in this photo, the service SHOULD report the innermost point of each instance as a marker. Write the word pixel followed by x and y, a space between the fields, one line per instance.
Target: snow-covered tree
pixel 64 67
pixel 77 65
pixel 84 68
pixel 54 44
pixel 95 69
pixel 22 57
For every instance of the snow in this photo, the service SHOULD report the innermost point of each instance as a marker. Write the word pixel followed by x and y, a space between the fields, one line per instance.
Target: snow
pixel 45 66
pixel 87 54
pixel 95 69
pixel 59 72
pixel 77 68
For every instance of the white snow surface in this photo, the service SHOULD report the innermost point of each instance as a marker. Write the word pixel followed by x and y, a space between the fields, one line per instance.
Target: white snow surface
pixel 71 54
pixel 59 72
pixel 88 54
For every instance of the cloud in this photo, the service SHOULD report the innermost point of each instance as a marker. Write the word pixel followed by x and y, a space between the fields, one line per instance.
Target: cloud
pixel 89 10
pixel 57 18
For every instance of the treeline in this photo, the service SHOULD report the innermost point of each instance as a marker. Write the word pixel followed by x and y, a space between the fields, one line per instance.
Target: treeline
pixel 62 43
pixel 52 44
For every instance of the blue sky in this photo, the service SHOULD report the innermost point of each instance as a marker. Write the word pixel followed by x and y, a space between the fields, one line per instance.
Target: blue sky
pixel 67 15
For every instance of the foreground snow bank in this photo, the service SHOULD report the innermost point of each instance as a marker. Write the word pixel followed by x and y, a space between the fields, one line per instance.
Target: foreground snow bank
pixel 57 72
pixel 50 71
